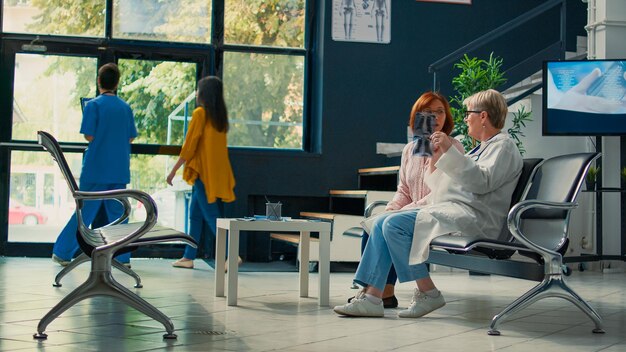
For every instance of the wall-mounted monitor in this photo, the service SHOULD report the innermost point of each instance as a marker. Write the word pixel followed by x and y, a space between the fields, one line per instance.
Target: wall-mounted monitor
pixel 584 97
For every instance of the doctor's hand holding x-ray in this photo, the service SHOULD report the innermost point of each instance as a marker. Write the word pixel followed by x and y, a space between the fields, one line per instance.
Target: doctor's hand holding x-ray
pixel 441 142
pixel 576 98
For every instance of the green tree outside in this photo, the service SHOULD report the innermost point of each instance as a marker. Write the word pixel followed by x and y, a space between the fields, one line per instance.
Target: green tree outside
pixel 259 88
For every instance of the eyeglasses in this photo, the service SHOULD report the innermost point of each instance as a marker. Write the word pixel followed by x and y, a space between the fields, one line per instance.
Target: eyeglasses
pixel 471 111
pixel 435 112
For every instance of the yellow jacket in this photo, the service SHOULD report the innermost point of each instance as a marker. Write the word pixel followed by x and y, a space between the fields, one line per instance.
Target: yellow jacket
pixel 205 152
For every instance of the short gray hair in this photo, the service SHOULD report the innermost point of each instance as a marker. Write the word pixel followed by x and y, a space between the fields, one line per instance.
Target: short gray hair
pixel 493 103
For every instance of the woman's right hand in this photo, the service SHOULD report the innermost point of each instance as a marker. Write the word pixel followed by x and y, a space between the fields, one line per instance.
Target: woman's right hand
pixel 170 177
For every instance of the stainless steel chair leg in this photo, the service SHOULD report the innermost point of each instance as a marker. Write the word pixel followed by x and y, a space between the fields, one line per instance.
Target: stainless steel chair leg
pixel 84 258
pixel 80 293
pixel 102 283
pixel 133 300
pixel 517 305
pixel 128 271
pixel 551 286
pixel 573 297
pixel 73 264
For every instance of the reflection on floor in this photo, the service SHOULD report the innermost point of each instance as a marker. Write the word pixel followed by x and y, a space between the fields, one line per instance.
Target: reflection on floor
pixel 271 316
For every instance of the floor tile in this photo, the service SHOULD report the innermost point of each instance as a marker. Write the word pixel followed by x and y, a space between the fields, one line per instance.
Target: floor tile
pixel 271 316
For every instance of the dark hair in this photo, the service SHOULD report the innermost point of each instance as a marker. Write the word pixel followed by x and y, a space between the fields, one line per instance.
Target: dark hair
pixel 211 98
pixel 424 101
pixel 109 76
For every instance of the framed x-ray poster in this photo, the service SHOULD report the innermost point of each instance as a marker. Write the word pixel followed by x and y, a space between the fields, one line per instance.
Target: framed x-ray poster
pixel 362 21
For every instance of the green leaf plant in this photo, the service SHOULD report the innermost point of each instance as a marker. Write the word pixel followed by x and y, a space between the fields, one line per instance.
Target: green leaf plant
pixel 477 75
pixel 591 177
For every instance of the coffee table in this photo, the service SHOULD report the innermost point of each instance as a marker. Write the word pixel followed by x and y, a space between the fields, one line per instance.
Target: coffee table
pixel 232 227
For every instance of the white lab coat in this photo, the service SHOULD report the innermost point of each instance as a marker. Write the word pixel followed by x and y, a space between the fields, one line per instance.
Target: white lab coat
pixel 470 193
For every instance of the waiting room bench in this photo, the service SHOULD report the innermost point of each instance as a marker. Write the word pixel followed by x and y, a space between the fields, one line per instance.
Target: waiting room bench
pixel 543 199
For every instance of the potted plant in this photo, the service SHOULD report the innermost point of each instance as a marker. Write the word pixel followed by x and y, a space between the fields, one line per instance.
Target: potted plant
pixel 477 75
pixel 591 177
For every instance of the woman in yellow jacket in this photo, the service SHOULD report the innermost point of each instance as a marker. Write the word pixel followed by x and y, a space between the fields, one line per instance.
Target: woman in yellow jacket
pixel 207 167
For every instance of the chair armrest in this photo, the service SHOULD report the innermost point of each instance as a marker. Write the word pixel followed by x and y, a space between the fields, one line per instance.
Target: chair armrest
pixel 144 198
pixel 125 215
pixel 373 205
pixel 552 258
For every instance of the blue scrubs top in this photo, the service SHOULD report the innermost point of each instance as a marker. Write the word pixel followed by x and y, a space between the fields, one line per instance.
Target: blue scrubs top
pixel 110 121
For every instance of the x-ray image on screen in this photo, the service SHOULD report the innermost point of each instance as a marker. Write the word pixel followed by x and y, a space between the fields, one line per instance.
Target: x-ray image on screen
pixel 584 97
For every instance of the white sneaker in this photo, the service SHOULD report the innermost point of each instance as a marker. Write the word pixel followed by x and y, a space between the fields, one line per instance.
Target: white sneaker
pixel 359 294
pixel 361 307
pixel 422 304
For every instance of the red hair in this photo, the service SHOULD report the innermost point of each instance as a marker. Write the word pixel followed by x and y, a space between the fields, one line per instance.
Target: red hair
pixel 424 101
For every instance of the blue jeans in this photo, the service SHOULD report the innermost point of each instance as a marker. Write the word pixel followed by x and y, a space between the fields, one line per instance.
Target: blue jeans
pixel 392 277
pixel 390 243
pixel 66 244
pixel 201 210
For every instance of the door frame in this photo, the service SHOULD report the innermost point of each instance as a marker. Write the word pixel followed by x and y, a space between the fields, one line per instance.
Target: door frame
pixel 104 51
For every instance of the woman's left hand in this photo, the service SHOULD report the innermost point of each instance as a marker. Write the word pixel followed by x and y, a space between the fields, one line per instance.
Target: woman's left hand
pixel 440 141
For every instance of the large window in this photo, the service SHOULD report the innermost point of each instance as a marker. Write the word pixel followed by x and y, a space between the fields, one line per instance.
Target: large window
pixel 159 20
pixel 265 99
pixel 51 50
pixel 46 95
pixel 39 200
pixel 265 87
pixel 262 62
pixel 162 96
pixel 278 23
pixel 57 17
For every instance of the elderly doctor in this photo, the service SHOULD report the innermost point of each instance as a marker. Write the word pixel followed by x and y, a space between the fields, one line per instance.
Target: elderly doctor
pixel 469 193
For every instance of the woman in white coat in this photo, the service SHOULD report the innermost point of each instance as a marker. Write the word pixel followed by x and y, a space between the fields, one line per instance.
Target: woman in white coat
pixel 469 193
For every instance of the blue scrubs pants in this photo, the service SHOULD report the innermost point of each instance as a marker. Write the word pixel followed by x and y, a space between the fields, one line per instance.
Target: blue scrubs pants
pixel 390 243
pixel 66 244
pixel 201 210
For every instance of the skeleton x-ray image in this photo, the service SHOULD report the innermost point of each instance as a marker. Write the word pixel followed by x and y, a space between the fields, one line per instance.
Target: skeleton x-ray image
pixel 423 127
pixel 361 21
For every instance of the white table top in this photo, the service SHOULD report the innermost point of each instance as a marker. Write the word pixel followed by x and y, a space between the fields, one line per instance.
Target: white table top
pixel 268 225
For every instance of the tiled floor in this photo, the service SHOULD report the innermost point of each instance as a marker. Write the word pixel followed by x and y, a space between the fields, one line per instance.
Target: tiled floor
pixel 271 316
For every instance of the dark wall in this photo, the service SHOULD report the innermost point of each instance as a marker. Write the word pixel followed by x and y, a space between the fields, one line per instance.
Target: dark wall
pixel 362 93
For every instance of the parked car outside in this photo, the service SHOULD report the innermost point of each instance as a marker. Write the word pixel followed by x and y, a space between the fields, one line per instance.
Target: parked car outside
pixel 25 215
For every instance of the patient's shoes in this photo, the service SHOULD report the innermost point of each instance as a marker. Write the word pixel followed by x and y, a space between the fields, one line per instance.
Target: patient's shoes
pixel 388 302
pixel 183 263
pixel 422 304
pixel 361 306
pixel 59 260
